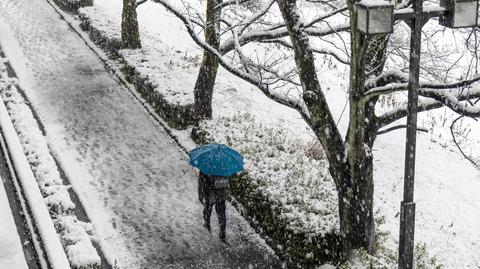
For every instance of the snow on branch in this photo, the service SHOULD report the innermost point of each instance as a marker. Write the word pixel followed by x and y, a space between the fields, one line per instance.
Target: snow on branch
pixel 324 31
pixel 401 112
pixel 231 3
pixel 260 35
pixel 387 130
pixel 403 4
pixel 455 101
pixel 435 99
pixel 403 78
pixel 387 77
pixel 141 2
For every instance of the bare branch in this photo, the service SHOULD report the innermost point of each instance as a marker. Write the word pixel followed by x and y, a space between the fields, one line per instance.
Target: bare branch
pixel 246 38
pixel 245 24
pixel 452 101
pixel 325 16
pixel 316 50
pixel 401 112
pixel 429 104
pixel 403 4
pixel 387 130
pixel 395 87
pixel 323 2
pixel 230 3
pixel 387 77
pixel 321 120
pixel 141 2
pixel 469 158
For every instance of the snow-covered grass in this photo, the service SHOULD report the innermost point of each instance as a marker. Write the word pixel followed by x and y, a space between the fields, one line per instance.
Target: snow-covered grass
pixel 387 259
pixel 74 234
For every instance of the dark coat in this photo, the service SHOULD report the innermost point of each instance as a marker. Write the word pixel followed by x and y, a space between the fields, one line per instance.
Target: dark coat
pixel 212 189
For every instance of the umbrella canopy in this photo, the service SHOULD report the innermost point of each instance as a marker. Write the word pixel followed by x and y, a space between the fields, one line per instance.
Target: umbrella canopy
pixel 216 160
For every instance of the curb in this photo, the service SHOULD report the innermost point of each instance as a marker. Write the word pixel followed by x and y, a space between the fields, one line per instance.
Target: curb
pixel 51 242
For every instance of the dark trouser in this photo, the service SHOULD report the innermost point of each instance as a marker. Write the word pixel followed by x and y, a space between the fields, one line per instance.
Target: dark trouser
pixel 222 216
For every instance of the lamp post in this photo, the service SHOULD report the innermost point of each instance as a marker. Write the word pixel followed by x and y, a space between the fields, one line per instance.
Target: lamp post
pixel 377 17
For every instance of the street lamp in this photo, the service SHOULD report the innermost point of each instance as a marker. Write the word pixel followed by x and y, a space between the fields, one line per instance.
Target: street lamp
pixel 452 14
pixel 463 13
pixel 375 17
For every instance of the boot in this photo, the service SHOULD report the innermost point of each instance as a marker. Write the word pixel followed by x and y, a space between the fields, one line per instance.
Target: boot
pixel 207 226
pixel 223 236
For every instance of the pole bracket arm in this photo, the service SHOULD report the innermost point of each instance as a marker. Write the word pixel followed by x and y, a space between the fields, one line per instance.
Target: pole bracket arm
pixel 407 14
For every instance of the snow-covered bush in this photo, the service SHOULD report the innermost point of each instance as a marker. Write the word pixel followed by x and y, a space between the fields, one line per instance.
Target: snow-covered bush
pixel 286 190
pixel 73 5
pixel 104 32
pixel 76 237
pixel 387 259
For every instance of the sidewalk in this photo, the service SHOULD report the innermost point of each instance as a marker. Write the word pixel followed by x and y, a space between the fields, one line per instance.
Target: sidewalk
pixel 133 180
pixel 11 254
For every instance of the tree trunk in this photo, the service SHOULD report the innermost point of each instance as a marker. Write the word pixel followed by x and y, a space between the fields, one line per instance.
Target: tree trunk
pixel 351 166
pixel 356 210
pixel 205 83
pixel 130 35
pixel 356 201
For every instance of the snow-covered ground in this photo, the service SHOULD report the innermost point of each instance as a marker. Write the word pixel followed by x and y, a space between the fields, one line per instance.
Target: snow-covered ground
pixel 446 195
pixel 132 179
pixel 447 184
pixel 129 180
pixel 11 254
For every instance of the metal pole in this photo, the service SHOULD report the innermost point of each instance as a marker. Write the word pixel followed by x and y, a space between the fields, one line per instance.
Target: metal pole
pixel 407 212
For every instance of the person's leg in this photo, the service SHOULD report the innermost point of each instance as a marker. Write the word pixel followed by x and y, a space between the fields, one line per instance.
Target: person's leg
pixel 207 212
pixel 220 208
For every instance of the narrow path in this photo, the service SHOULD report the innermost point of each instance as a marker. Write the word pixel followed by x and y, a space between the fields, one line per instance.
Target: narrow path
pixel 133 180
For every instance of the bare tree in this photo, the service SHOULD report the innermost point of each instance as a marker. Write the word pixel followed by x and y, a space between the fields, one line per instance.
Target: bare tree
pixel 130 34
pixel 227 32
pixel 350 158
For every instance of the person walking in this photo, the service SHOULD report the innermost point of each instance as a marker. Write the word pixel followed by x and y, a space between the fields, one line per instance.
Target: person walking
pixel 213 191
pixel 217 163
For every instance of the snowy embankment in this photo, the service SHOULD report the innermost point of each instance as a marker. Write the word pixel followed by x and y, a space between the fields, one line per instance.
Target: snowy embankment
pixel 48 197
pixel 169 59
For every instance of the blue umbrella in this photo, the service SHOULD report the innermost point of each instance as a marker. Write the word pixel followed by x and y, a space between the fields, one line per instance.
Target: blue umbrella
pixel 216 160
